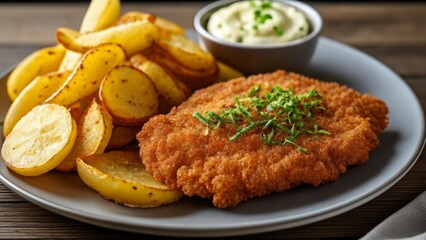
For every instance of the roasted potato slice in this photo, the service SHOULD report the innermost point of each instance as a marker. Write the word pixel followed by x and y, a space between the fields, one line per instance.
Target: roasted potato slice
pixel 194 79
pixel 70 61
pixel 35 93
pixel 133 37
pixel 163 24
pixel 129 96
pixel 78 109
pixel 122 136
pixel 121 177
pixel 227 72
pixel 101 14
pixel 165 83
pixel 40 140
pixel 186 52
pixel 136 16
pixel 169 26
pixel 93 134
pixel 87 77
pixel 138 59
pixel 40 62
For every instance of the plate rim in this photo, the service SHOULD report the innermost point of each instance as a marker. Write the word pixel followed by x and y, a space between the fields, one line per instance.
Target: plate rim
pixel 255 227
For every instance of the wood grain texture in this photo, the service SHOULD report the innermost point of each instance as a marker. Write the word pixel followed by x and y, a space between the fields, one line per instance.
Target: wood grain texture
pixel 391 24
pixel 393 33
pixel 377 24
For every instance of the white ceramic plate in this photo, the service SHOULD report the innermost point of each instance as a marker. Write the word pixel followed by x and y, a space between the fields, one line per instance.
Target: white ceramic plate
pixel 401 144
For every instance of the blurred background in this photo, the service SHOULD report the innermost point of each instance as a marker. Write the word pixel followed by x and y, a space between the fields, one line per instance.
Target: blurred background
pixel 372 26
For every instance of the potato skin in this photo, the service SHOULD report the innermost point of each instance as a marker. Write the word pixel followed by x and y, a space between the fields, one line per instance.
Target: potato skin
pixel 167 85
pixel 122 136
pixel 94 131
pixel 133 37
pixel 129 95
pixel 40 62
pixel 35 93
pixel 85 79
pixel 121 177
pixel 80 62
pixel 100 14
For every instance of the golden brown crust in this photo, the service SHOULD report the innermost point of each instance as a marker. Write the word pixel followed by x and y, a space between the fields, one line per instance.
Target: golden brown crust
pixel 176 150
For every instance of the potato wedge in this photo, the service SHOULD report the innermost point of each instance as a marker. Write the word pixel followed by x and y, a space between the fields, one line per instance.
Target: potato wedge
pixel 186 52
pixel 100 14
pixel 35 93
pixel 87 77
pixel 70 61
pixel 122 136
pixel 136 16
pixel 193 79
pixel 227 72
pixel 165 83
pixel 181 70
pixel 93 134
pixel 40 140
pixel 138 59
pixel 163 24
pixel 133 37
pixel 38 63
pixel 67 37
pixel 129 96
pixel 78 109
pixel 121 177
pixel 169 26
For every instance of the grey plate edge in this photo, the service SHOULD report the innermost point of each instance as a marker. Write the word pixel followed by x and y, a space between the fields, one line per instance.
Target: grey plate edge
pixel 243 230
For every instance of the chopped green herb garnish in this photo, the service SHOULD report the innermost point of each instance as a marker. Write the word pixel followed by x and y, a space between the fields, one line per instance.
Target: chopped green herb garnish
pixel 202 119
pixel 265 5
pixel 278 30
pixel 261 17
pixel 280 116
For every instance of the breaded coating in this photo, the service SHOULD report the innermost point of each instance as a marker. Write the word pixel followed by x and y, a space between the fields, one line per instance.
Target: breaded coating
pixel 179 151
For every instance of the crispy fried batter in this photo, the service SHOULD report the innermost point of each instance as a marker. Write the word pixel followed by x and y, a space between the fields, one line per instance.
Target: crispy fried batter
pixel 177 151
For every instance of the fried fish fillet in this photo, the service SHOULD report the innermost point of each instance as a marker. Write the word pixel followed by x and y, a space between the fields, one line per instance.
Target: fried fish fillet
pixel 177 151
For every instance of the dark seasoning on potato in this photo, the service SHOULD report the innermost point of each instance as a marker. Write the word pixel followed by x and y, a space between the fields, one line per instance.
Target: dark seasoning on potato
pixel 98 86
pixel 94 90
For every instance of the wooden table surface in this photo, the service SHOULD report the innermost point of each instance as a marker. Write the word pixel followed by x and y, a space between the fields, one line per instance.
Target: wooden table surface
pixel 394 33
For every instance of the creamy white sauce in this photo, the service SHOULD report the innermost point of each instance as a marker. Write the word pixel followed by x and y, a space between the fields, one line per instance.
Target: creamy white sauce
pixel 258 22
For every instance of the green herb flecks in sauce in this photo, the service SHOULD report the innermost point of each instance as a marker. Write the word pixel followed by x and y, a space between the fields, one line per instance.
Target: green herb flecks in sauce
pixel 258 22
pixel 280 116
pixel 260 17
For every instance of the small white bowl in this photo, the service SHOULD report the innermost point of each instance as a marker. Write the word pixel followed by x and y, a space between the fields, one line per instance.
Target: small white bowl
pixel 252 59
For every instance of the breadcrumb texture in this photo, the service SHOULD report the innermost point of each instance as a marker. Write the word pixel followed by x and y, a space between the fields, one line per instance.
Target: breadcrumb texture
pixel 177 151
